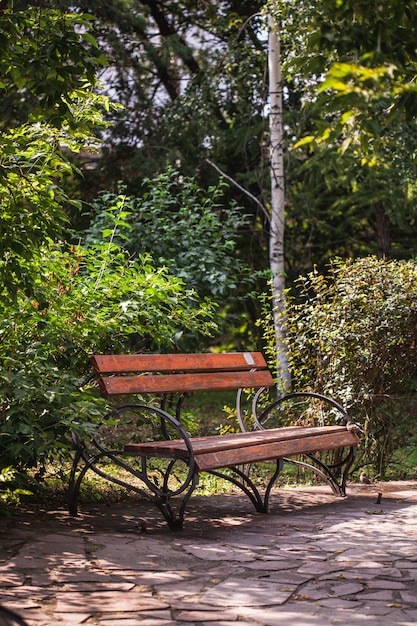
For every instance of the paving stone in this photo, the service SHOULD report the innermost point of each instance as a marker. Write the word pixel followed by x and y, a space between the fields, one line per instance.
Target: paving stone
pixel 246 592
pixel 187 605
pixel 153 618
pixel 95 586
pixel 151 577
pixel 105 602
pixel 72 618
pixel 357 574
pixel 339 603
pixel 135 621
pixel 25 592
pixel 385 584
pixel 222 571
pixel 382 568
pixel 288 615
pixel 284 578
pixel 143 554
pixel 206 616
pixel 406 564
pixel 163 614
pixel 274 555
pixel 411 614
pixel 73 575
pixel 251 540
pixel 376 607
pixel 288 564
pixel 10 579
pixel 210 552
pixel 12 603
pixel 317 590
pixel 39 554
pixel 408 597
pixel 35 616
pixel 320 567
pixel 314 560
pixel 226 623
pixel 272 565
pixel 384 596
pixel 180 590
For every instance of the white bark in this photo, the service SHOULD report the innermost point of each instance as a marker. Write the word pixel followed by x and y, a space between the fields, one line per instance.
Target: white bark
pixel 277 224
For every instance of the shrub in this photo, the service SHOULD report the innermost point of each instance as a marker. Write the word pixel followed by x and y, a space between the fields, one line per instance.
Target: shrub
pixel 192 231
pixel 353 336
pixel 85 300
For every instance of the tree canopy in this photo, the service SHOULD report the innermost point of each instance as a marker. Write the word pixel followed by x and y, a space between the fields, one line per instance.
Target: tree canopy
pixel 192 79
pixel 48 110
pixel 361 114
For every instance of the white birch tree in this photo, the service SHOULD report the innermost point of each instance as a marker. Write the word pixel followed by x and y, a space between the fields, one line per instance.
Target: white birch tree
pixel 277 221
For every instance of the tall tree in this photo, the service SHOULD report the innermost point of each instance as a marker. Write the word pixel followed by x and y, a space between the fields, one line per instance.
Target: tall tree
pixel 277 223
pixel 190 78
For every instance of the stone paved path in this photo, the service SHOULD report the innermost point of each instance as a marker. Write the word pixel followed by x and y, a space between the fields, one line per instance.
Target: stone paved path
pixel 315 560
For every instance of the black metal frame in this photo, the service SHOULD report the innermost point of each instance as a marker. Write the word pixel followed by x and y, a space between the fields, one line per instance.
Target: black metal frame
pixel 162 497
pixel 316 465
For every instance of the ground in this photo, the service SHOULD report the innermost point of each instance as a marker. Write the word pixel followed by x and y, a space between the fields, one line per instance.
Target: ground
pixel 314 560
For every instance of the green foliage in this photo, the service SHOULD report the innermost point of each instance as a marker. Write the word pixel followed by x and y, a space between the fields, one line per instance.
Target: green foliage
pixel 194 232
pixel 353 65
pixel 9 492
pixel 352 336
pixel 181 90
pixel 67 301
pixel 48 111
pixel 85 300
pixel 362 105
pixel 198 90
pixel 32 168
pixel 47 56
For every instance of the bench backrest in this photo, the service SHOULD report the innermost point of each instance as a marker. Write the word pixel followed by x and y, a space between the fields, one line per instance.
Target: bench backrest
pixel 180 373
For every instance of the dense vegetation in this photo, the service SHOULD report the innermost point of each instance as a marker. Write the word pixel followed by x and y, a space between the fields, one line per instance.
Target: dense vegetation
pixel 353 337
pixel 134 200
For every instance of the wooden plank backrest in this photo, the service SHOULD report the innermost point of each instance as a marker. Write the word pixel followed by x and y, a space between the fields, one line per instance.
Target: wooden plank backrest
pixel 176 373
pixel 130 363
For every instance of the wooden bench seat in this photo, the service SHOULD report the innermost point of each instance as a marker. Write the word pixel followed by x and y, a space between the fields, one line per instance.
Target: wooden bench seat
pixel 173 377
pixel 216 452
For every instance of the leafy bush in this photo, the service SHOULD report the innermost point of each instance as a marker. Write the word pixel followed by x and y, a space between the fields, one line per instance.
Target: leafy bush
pixel 190 230
pixel 353 336
pixel 85 300
pixel 10 492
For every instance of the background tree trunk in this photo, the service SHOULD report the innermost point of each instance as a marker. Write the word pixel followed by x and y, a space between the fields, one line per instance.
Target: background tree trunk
pixel 276 237
pixel 383 231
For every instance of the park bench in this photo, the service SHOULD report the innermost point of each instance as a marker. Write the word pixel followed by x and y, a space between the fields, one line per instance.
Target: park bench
pixel 162 462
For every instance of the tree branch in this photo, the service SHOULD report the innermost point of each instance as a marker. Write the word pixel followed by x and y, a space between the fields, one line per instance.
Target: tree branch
pixel 245 191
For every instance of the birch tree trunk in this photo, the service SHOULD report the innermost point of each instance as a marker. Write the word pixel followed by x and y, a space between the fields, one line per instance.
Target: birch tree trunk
pixel 276 238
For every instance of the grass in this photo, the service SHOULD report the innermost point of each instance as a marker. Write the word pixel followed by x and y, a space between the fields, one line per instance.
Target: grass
pixel 207 411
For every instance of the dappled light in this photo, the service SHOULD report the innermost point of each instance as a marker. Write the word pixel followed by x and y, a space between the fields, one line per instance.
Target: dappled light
pixel 313 559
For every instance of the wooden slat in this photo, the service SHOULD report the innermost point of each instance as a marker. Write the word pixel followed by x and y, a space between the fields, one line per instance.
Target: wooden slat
pixel 269 451
pixel 227 450
pixel 130 363
pixel 181 383
pixel 217 443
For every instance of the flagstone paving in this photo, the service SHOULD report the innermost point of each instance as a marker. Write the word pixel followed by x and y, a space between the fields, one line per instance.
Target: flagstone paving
pixel 314 560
